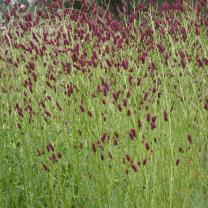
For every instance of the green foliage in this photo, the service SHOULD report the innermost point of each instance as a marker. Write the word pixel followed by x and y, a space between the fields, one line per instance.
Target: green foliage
pixel 58 101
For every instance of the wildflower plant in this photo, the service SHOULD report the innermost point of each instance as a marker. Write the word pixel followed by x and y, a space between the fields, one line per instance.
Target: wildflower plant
pixel 103 112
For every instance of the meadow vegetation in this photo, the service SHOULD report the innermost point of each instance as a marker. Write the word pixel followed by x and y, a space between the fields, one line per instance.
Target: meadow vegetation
pixel 98 112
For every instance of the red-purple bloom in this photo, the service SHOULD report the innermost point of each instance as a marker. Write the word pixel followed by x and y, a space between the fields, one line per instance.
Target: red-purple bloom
pixel 128 157
pixel 190 139
pixel 199 62
pixel 124 102
pixel 69 90
pixel 147 146
pixel 58 106
pixel 165 6
pixel 148 117
pixel 47 113
pixel 53 158
pixel 134 167
pixel 181 150
pixel 125 64
pixel 50 147
pixel 120 43
pixel 128 94
pixel 128 112
pixel 165 115
pixel 143 57
pixel 139 80
pixel 45 167
pixel 119 107
pixel 90 114
pixel 177 162
pixel 205 61
pixel 132 133
pixel 39 153
pixel 140 7
pixel 139 162
pixel 102 157
pixel 144 161
pixel 7 2
pixel 31 66
pixel 28 17
pixel 94 147
pixel 206 104
pixel 153 125
pixel 59 155
pixel 145 96
pixel 104 137
pixel 115 142
pixel 161 48
pixel 154 90
pixel 82 108
pixel 154 119
pixel 139 124
pixel 116 95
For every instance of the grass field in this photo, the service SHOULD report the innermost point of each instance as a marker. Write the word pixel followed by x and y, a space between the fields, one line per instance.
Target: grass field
pixel 104 113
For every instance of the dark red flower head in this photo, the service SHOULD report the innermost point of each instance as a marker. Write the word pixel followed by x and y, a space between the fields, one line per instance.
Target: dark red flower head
pixel 132 133
pixel 190 139
pixel 165 114
pixel 177 162
pixel 148 117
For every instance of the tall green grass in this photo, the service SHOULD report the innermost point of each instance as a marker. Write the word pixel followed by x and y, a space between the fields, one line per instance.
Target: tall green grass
pixel 175 174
